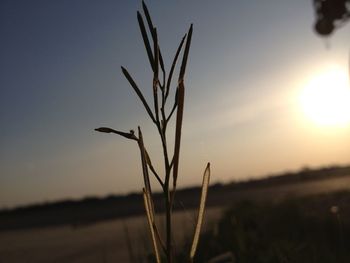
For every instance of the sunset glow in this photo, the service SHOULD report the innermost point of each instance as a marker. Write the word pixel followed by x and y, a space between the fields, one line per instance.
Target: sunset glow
pixel 325 100
pixel 260 97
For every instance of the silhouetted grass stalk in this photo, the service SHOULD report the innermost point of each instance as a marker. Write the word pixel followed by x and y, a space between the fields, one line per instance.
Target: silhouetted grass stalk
pixel 205 184
pixel 161 120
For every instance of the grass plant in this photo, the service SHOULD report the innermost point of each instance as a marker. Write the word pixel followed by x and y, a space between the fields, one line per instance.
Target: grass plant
pixel 162 83
pixel 304 229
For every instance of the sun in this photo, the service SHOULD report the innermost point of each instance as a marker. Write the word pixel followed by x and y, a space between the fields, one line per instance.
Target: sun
pixel 325 100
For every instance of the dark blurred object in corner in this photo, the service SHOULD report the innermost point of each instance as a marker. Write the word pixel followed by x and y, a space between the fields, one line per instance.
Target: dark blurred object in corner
pixel 330 14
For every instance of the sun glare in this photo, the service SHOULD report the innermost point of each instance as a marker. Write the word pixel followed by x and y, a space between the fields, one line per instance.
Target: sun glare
pixel 325 99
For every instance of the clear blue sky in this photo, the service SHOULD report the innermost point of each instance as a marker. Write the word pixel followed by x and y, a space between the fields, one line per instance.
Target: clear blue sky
pixel 60 78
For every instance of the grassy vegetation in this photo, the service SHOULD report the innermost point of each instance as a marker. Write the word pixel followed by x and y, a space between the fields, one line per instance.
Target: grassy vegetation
pixel 305 229
pixel 161 118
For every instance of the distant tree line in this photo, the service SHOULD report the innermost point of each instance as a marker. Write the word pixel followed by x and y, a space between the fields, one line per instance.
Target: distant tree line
pixel 92 209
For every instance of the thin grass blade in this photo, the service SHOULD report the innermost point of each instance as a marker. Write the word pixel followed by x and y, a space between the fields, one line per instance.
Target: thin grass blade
pixel 150 165
pixel 147 15
pixel 179 117
pixel 150 219
pixel 161 62
pixel 156 52
pixel 171 72
pixel 185 56
pixel 151 27
pixel 129 135
pixel 205 184
pixel 145 39
pixel 155 73
pixel 144 162
pixel 174 106
pixel 138 92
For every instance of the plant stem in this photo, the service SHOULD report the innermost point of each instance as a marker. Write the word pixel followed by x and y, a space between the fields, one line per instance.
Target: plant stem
pixel 168 225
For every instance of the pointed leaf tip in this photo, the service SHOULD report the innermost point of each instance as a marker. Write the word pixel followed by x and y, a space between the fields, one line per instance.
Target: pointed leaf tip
pixel 145 39
pixel 185 55
pixel 124 134
pixel 205 185
pixel 104 129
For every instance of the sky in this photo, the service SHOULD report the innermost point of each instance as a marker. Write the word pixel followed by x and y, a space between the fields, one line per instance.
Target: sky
pixel 249 63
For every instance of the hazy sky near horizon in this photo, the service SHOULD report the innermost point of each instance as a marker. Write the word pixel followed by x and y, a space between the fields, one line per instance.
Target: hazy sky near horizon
pixel 249 61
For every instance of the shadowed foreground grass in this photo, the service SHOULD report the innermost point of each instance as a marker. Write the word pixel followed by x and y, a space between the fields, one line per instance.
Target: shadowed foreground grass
pixel 305 229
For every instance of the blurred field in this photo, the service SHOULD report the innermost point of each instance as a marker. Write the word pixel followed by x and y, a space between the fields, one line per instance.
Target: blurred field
pixel 304 229
pixel 106 241
pixel 102 242
pixel 280 192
